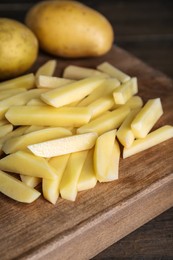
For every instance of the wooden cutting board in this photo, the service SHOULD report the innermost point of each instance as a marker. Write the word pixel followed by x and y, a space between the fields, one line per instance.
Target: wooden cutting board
pixel 110 211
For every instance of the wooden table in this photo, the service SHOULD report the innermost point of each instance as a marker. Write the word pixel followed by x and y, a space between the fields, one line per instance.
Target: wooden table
pixel 146 30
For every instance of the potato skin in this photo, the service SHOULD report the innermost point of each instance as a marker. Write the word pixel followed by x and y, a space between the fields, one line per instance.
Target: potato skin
pixel 70 29
pixel 18 48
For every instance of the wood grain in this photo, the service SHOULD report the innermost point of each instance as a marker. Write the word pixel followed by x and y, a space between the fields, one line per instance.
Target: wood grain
pixel 108 212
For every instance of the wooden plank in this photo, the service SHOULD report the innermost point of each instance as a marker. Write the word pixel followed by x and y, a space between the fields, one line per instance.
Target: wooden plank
pixel 109 211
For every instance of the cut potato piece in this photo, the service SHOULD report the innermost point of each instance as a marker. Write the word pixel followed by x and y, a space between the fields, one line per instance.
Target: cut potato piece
pixel 18 100
pixel 51 187
pixel 160 135
pixel 17 190
pixel 33 128
pixel 133 103
pixel 124 92
pixel 76 72
pixel 48 116
pixel 101 105
pixel 87 179
pixel 20 143
pixel 51 82
pixel 30 180
pixel 27 164
pixel 70 144
pixel 106 122
pixel 5 129
pixel 27 81
pixel 68 185
pixel 4 122
pixel 113 167
pixel 113 72
pixel 125 134
pixel 17 132
pixel 8 93
pixel 47 68
pixel 36 102
pixel 107 87
pixel 102 154
pixel 72 92
pixel 146 118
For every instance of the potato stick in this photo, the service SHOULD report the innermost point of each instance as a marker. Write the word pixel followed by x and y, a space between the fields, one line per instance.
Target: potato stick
pixel 17 132
pixel 76 72
pixel 72 92
pixel 87 179
pixel 124 92
pixel 33 128
pixel 113 72
pixel 101 105
pixel 102 153
pixel 51 82
pixel 106 122
pixel 27 164
pixel 65 145
pixel 4 122
pixel 19 100
pixel 5 129
pixel 47 68
pixel 48 116
pixel 133 103
pixel 8 93
pixel 27 81
pixel 36 102
pixel 113 167
pixel 17 190
pixel 68 185
pixel 51 188
pixel 107 87
pixel 125 134
pixel 147 117
pixel 21 142
pixel 156 137
pixel 30 180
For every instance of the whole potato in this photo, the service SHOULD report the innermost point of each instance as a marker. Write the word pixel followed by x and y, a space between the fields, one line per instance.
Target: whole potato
pixel 18 48
pixel 70 29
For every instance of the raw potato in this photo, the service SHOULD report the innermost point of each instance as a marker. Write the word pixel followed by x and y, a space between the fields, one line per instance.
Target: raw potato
pixel 107 87
pixel 17 190
pixel 27 81
pixel 43 81
pixel 125 134
pixel 109 69
pixel 61 146
pixel 47 68
pixel 70 29
pixel 146 118
pixel 72 92
pixel 68 186
pixel 105 122
pixel 76 72
pixel 51 187
pixel 87 179
pixel 124 92
pixel 156 137
pixel 21 142
pixel 19 48
pixel 103 153
pixel 30 180
pixel 33 115
pixel 27 164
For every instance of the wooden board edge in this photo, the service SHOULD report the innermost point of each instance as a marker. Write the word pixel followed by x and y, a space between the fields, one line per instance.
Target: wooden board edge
pixel 97 233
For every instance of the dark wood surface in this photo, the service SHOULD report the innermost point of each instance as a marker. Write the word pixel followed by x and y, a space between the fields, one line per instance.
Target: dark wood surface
pixel 144 28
